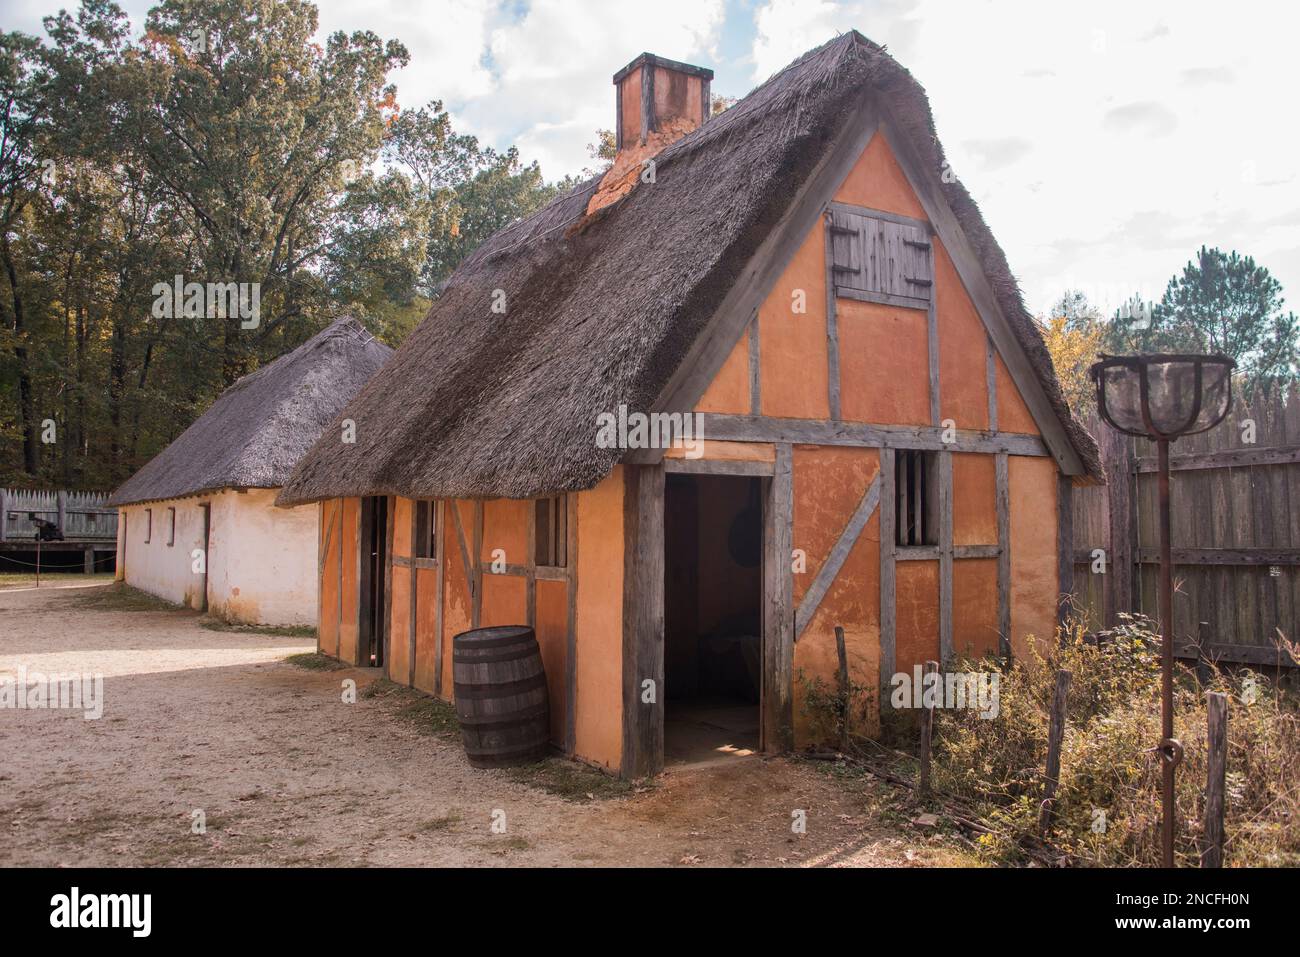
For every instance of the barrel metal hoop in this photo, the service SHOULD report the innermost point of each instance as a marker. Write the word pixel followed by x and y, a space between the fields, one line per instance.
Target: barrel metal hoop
pixel 502 690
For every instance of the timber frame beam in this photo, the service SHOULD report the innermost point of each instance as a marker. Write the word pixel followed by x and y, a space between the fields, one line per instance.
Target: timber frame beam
pixel 643 621
pixel 747 428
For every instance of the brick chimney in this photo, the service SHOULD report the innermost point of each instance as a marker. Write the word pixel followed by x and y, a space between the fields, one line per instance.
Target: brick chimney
pixel 656 102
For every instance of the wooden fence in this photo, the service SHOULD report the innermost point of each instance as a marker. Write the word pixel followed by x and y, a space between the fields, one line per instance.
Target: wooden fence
pixel 1235 530
pixel 80 516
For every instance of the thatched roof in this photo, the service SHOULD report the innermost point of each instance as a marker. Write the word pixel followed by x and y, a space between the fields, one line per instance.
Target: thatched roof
pixel 600 312
pixel 258 429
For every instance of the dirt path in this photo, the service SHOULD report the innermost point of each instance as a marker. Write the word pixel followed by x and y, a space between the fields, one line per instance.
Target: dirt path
pixel 286 773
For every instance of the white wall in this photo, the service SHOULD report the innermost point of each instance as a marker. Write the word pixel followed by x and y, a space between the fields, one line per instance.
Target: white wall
pixel 262 561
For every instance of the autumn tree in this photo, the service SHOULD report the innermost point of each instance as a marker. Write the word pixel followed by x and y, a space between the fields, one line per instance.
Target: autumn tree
pixel 1075 336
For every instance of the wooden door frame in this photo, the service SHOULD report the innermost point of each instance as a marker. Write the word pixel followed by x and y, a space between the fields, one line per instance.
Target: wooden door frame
pixel 644 581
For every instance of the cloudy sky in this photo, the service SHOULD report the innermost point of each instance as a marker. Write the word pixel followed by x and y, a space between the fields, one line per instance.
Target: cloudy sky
pixel 1105 141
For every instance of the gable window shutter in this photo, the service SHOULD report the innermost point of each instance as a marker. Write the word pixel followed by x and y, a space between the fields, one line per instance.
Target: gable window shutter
pixel 879 258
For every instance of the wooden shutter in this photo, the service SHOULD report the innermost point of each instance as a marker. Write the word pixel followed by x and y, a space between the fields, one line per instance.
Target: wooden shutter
pixel 880 260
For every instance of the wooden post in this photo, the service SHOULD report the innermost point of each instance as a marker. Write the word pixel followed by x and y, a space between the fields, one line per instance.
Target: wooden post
pixel 62 505
pixel 1055 735
pixel 643 621
pixel 777 731
pixel 38 561
pixel 88 561
pixel 1212 855
pixel 1002 473
pixel 927 728
pixel 844 686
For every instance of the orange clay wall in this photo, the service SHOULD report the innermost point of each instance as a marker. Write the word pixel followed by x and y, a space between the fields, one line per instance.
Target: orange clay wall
pixel 828 485
pixel 338 627
pixel 504 538
pixel 327 631
pixel 599 713
pixel 1034 580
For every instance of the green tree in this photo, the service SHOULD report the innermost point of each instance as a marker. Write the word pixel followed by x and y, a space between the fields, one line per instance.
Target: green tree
pixel 1221 303
pixel 472 190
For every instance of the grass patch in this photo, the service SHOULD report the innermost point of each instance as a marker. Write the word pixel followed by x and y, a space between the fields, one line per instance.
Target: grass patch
pixel 1107 810
pixel 286 631
pixel 428 714
pixel 315 661
pixel 571 780
pixel 505 845
pixel 122 597
pixel 444 823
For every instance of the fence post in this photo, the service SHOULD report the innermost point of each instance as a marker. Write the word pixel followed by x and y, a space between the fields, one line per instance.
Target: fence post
pixel 62 504
pixel 845 695
pixel 1117 463
pixel 1055 736
pixel 1212 856
pixel 927 727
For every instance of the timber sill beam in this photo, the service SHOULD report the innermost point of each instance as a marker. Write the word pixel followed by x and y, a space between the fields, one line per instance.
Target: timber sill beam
pixel 747 428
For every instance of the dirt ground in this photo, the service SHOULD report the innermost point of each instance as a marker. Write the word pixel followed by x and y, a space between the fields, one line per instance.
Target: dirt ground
pixel 286 773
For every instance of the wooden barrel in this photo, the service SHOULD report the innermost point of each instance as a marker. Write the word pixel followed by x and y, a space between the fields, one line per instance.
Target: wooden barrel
pixel 501 698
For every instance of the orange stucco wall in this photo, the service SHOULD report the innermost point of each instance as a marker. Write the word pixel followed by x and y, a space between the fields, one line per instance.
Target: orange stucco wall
pixel 1013 414
pixel 598 718
pixel 828 485
pixel 505 534
pixel 505 600
pixel 552 628
pixel 975 607
pixel 426 628
pixel 793 360
pixel 729 391
pixel 1032 483
pixel 457 612
pixel 399 639
pixel 974 499
pixel 916 610
pixel 963 349
pixel 884 363
pixel 877 181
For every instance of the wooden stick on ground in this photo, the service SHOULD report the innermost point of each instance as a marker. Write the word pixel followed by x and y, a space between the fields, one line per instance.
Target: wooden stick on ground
pixel 1212 856
pixel 1055 736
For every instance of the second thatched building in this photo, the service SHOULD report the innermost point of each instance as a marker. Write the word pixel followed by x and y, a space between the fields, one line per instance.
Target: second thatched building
pixel 197 525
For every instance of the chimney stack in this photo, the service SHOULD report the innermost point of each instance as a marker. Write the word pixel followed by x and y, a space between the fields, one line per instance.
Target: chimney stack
pixel 657 102
pixel 654 95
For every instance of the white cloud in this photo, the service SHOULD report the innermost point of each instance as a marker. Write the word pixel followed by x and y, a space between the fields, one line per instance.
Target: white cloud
pixel 1151 128
pixel 553 68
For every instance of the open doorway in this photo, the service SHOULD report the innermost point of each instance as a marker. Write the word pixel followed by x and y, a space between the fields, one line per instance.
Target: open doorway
pixel 713 592
pixel 374 573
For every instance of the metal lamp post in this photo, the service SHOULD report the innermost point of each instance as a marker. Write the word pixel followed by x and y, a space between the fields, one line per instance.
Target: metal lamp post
pixel 1163 397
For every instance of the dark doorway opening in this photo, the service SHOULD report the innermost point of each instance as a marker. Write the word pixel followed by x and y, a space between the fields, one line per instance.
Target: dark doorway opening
pixel 374 575
pixel 713 593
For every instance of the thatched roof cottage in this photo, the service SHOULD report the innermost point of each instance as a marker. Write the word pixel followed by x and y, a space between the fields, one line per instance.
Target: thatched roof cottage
pixel 868 430
pixel 198 524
